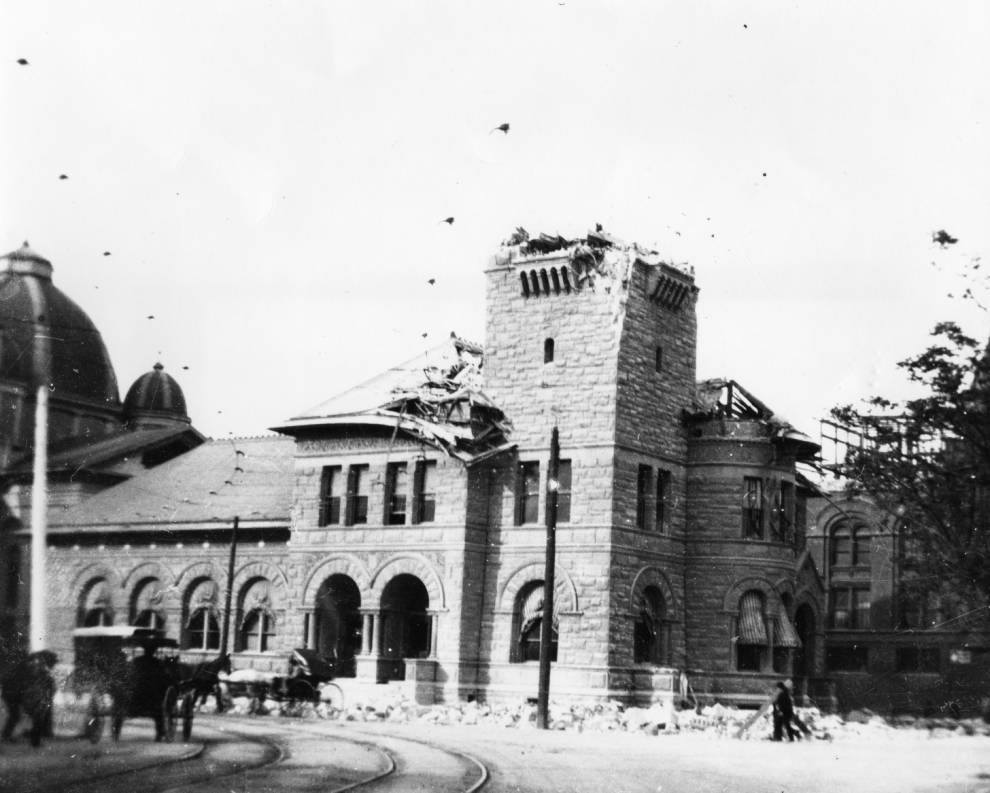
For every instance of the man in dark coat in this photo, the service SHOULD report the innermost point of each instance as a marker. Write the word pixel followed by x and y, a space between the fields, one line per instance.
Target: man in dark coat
pixel 783 714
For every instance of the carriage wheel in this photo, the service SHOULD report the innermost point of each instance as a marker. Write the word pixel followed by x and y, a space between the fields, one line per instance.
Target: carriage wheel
pixel 188 705
pixel 170 703
pixel 332 694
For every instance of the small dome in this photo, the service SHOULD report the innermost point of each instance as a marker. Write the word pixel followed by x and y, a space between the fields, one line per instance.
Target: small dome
pixel 155 398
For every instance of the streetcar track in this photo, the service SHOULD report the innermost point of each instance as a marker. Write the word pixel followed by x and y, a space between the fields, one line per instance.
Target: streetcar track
pixel 483 773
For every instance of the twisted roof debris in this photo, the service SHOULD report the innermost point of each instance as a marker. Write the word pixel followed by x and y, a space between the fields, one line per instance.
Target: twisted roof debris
pixel 437 397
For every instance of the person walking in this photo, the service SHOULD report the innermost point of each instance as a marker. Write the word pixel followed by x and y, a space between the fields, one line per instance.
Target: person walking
pixel 783 714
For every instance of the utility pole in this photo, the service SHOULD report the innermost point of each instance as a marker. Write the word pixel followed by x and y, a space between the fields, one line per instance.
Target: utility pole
pixel 225 631
pixel 39 517
pixel 546 623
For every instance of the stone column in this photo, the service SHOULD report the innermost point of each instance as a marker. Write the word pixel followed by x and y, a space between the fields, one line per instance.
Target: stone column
pixel 434 624
pixel 376 639
pixel 311 634
pixel 366 633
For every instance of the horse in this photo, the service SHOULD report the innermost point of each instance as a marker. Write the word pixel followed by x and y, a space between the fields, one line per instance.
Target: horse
pixel 30 687
pixel 204 678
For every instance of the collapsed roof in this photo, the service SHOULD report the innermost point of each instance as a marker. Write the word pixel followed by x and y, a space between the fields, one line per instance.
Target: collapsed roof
pixel 726 399
pixel 436 397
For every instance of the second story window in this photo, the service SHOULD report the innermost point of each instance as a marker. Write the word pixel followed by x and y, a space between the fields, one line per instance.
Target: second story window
pixel 426 491
pixel 659 359
pixel 547 350
pixel 850 607
pixel 752 510
pixel 357 494
pixel 642 492
pixel 396 485
pixel 663 501
pixel 528 493
pixel 787 511
pixel 331 490
pixel 564 491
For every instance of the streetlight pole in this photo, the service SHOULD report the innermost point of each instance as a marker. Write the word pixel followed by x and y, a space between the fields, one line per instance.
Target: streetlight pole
pixel 225 632
pixel 546 623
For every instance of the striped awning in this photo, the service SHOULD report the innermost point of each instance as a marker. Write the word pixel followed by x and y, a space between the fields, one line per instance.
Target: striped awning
pixel 752 628
pixel 532 609
pixel 784 634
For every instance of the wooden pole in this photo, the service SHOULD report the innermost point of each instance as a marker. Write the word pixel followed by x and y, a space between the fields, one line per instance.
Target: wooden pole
pixel 546 623
pixel 225 632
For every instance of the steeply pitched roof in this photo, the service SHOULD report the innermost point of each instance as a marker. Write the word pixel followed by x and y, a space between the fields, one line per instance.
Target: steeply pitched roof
pixel 246 477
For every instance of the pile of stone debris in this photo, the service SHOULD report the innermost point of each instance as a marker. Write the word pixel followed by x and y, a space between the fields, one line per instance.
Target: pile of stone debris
pixel 714 721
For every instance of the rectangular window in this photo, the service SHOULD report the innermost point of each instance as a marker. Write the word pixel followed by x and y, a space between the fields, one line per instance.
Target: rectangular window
pixel 847 658
pixel 787 511
pixel 841 614
pixel 527 493
pixel 918 659
pixel 564 491
pixel 396 485
pixel 663 501
pixel 426 491
pixel 357 494
pixel 642 492
pixel 749 657
pixel 861 607
pixel 850 608
pixel 331 489
pixel 752 513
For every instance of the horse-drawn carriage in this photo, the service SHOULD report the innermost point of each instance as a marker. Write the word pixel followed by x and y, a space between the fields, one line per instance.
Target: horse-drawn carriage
pixel 310 680
pixel 130 672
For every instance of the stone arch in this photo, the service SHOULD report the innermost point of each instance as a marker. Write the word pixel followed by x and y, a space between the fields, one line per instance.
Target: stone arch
pixel 148 570
pixel 199 570
pixel 806 597
pixel 350 566
pixel 413 565
pixel 261 569
pixel 784 586
pixel 564 588
pixel 95 570
pixel 651 576
pixel 730 604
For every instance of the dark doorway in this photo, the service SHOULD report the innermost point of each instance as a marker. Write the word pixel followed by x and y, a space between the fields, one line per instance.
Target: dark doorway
pixel 337 632
pixel 405 623
pixel 804 656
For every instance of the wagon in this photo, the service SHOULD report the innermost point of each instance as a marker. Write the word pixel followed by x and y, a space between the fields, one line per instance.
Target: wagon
pixel 310 679
pixel 130 672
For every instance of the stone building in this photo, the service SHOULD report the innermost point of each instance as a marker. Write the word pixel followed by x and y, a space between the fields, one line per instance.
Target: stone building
pixel 399 527
pixel 95 441
pixel 894 643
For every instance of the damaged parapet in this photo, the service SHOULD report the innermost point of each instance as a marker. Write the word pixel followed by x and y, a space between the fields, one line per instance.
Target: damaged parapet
pixel 437 397
pixel 554 265
pixel 721 407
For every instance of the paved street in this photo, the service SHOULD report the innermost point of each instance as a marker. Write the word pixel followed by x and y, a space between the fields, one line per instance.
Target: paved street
pixel 252 755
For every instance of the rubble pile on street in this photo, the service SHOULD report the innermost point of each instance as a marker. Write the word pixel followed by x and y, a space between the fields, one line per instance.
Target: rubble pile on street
pixel 714 721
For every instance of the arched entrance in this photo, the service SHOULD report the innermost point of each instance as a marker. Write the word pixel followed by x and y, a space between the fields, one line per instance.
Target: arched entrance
pixel 405 623
pixel 336 631
pixel 804 656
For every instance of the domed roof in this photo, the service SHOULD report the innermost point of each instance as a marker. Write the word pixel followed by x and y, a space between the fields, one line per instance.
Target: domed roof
pixel 156 392
pixel 33 310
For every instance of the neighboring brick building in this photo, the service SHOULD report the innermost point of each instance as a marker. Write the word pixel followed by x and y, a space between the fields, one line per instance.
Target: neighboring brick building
pixel 400 527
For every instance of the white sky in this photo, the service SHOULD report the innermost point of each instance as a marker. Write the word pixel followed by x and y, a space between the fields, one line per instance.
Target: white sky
pixel 269 177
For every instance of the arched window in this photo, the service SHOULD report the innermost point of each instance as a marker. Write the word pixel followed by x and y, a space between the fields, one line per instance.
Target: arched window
pixel 203 630
pixel 201 626
pixel 861 546
pixel 841 555
pixel 525 284
pixel 95 605
pixel 751 636
pixel 147 604
pixel 528 624
pixel 257 631
pixel 547 350
pixel 651 634
pixel 256 617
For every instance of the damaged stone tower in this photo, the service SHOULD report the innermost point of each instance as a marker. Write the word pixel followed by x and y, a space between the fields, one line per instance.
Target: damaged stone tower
pixel 599 339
